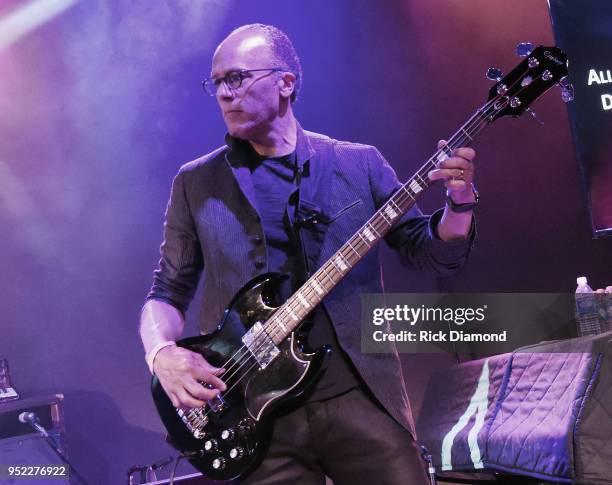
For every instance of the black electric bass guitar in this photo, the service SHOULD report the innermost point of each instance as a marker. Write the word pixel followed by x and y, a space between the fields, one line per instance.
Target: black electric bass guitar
pixel 265 364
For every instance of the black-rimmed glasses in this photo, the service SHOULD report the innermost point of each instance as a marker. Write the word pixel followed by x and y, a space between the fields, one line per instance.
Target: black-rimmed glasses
pixel 233 79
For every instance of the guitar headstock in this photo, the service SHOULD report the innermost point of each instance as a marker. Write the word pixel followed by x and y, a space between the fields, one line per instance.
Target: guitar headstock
pixel 542 68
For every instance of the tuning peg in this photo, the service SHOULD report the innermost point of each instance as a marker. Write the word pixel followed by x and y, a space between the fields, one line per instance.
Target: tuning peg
pixel 567 93
pixel 494 74
pixel 567 89
pixel 524 49
pixel 564 81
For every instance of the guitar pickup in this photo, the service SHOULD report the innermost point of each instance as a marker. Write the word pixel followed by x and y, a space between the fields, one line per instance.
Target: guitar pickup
pixel 217 404
pixel 260 345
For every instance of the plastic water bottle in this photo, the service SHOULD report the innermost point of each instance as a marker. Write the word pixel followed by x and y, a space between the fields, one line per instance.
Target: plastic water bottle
pixel 587 318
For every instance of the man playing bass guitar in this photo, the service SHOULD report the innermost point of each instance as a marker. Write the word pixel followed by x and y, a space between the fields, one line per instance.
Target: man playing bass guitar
pixel 278 198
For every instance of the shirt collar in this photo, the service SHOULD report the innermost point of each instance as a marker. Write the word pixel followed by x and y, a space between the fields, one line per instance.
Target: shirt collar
pixel 240 150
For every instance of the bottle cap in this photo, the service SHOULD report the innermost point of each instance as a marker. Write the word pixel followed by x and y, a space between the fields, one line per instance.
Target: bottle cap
pixel 581 280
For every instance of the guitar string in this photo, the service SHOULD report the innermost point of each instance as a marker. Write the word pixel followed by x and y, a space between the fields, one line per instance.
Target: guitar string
pixel 478 121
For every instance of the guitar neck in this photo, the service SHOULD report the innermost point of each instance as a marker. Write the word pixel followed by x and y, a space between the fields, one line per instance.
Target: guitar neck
pixel 289 316
pixel 542 68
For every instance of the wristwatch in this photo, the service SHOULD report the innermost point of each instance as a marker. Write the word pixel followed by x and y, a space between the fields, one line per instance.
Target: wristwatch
pixel 468 206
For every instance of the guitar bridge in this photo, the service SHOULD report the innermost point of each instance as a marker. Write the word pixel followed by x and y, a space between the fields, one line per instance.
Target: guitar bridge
pixel 195 420
pixel 260 345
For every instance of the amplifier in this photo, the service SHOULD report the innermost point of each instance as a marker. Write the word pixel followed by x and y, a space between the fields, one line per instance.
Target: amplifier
pixel 47 408
pixel 20 445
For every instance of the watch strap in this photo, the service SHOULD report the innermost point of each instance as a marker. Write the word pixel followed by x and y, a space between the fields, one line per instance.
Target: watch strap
pixel 468 206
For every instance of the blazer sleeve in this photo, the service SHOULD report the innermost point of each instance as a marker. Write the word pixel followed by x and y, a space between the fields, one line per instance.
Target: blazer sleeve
pixel 176 278
pixel 415 236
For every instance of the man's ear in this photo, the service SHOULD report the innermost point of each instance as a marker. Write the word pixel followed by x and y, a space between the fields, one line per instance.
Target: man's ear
pixel 286 84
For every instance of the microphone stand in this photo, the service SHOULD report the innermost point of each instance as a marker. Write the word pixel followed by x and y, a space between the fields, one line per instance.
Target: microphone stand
pixel 431 471
pixel 53 445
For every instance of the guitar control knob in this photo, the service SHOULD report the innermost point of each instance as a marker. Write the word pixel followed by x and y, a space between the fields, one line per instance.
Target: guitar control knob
pixel 245 426
pixel 210 445
pixel 236 453
pixel 218 463
pixel 198 434
pixel 227 434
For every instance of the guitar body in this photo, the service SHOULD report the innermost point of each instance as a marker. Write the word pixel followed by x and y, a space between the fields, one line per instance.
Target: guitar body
pixel 235 437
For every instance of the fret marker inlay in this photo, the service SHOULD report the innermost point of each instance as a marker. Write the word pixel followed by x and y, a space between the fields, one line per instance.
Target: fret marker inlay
pixel 390 212
pixel 415 187
pixel 340 263
pixel 303 300
pixel 368 234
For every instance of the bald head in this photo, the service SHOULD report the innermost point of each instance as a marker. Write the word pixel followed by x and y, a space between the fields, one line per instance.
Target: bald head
pixel 267 44
pixel 243 50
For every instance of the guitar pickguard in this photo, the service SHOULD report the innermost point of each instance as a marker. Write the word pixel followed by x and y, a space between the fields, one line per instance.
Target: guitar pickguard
pixel 278 379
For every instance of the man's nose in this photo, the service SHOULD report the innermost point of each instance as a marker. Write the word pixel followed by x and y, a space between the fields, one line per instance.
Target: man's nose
pixel 224 91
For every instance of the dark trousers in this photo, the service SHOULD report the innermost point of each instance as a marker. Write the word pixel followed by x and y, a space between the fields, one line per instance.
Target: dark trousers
pixel 349 438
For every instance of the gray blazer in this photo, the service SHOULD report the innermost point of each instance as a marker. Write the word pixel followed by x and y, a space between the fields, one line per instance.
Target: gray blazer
pixel 212 226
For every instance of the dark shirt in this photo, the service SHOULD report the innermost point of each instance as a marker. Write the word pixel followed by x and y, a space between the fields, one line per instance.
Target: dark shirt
pixel 274 181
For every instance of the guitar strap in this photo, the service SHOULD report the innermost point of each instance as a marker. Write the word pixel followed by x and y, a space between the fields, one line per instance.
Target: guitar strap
pixel 307 216
pixel 301 266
